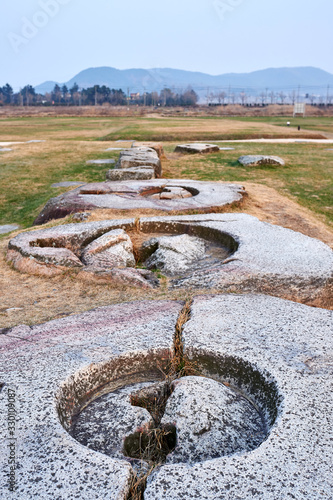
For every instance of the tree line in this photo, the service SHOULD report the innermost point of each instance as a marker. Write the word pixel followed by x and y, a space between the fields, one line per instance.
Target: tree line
pixel 94 96
pixel 99 95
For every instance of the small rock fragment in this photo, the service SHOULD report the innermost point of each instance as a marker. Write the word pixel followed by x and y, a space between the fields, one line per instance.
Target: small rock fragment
pixel 110 250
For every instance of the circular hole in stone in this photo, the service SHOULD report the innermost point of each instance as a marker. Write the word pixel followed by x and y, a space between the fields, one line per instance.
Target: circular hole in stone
pixel 179 249
pixel 169 192
pixel 126 409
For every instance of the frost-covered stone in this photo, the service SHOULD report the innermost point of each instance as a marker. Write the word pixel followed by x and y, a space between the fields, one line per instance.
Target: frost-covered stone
pixel 113 249
pixel 174 254
pixel 254 160
pixel 211 421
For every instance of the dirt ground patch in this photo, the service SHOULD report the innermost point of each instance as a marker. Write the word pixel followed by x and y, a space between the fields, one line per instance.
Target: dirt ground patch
pixel 29 299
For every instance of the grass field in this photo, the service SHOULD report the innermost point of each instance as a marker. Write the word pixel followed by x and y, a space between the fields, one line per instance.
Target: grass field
pixel 27 172
pixel 278 195
pixel 157 128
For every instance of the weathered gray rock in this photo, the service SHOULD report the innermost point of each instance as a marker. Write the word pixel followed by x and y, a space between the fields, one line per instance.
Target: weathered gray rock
pixel 106 421
pixel 140 150
pixel 4 150
pixel 113 249
pixel 262 257
pixel 211 421
pixel 197 148
pixel 249 255
pixel 173 254
pixel 129 195
pixel 114 149
pixel 35 141
pixel 52 369
pixel 50 251
pixel 172 193
pixel 80 216
pixel 8 228
pixel 100 162
pixel 155 146
pixel 227 149
pixel 289 346
pixel 254 160
pixel 66 184
pixel 277 353
pixel 125 174
pixel 145 160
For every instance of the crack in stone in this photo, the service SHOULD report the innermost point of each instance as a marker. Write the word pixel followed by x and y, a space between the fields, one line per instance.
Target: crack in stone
pixel 166 438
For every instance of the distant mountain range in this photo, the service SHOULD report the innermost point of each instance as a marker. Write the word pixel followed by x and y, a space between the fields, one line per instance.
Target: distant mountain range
pixel 311 80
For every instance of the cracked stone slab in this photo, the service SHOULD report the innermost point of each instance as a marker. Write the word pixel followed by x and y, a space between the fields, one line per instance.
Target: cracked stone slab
pixel 51 251
pixel 255 160
pixel 251 256
pixel 44 363
pixel 262 257
pixel 292 345
pixel 129 195
pixel 197 148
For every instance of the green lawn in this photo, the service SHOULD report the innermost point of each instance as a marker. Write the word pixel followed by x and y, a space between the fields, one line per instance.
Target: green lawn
pixel 27 172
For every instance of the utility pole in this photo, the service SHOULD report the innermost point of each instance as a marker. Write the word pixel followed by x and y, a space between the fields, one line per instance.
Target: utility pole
pixel 298 93
pixel 328 94
pixel 95 95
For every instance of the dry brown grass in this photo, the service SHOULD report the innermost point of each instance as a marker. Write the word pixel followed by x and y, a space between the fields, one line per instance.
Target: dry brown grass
pixel 31 299
pixel 123 111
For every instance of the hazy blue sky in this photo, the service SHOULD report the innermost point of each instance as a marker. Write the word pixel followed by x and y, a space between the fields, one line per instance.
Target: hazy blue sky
pixel 212 36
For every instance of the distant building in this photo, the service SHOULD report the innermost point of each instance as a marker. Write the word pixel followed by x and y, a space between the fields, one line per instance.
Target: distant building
pixel 135 96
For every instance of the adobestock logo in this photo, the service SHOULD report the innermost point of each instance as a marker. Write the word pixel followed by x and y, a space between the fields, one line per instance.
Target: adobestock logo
pixel 225 7
pixel 30 27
